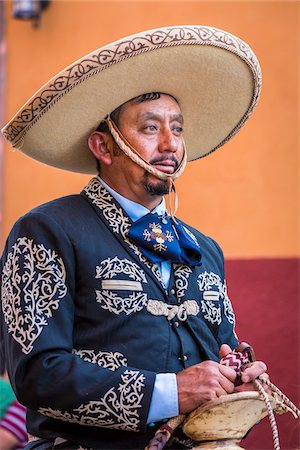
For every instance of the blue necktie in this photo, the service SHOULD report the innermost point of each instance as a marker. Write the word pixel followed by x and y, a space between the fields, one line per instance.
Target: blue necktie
pixel 161 238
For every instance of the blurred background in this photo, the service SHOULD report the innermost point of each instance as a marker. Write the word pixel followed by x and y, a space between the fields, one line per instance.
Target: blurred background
pixel 245 195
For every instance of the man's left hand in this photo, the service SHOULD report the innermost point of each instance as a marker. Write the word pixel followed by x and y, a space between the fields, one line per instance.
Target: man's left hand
pixel 252 371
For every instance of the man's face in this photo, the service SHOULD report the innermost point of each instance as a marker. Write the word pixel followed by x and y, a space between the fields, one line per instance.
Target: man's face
pixel 154 129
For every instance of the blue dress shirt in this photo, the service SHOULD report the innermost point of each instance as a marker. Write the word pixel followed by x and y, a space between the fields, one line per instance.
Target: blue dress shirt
pixel 164 402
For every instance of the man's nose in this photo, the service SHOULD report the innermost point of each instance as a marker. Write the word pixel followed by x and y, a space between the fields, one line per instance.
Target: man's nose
pixel 168 142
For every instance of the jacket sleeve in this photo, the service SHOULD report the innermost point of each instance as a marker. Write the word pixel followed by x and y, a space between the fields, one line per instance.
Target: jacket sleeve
pixel 226 332
pixel 38 307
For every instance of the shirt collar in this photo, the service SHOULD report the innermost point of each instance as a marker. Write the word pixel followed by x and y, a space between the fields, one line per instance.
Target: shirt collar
pixel 134 210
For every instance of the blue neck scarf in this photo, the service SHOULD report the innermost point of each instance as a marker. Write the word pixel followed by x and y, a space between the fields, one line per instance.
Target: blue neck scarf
pixel 161 238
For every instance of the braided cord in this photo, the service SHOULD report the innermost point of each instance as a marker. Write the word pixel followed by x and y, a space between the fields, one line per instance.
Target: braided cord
pixel 283 397
pixel 164 433
pixel 273 424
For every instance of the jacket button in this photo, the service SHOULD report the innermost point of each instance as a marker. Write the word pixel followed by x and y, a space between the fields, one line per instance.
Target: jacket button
pixel 184 358
pixel 172 291
pixel 176 324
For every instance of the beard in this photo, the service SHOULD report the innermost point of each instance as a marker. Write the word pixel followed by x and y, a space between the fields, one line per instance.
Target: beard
pixel 158 187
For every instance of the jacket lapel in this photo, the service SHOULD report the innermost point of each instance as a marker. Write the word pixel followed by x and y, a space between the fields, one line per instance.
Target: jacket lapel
pixel 119 224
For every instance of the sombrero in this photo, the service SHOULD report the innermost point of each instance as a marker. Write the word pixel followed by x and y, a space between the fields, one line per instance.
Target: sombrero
pixel 214 75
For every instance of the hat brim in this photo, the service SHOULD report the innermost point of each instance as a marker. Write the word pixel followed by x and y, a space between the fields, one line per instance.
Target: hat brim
pixel 215 77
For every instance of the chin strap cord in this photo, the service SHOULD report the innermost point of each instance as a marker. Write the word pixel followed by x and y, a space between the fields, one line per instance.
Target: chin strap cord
pixel 134 155
pixel 172 205
pixel 237 360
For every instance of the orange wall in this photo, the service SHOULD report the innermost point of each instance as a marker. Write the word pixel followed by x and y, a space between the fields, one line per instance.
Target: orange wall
pixel 245 194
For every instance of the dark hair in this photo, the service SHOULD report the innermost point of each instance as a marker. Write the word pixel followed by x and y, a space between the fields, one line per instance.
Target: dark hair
pixel 115 114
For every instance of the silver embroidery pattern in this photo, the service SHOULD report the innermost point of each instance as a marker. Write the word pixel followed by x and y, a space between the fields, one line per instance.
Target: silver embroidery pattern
pixel 109 299
pixel 108 360
pixel 33 283
pixel 187 308
pixel 116 219
pixel 228 310
pixel 211 309
pixel 182 274
pixel 118 408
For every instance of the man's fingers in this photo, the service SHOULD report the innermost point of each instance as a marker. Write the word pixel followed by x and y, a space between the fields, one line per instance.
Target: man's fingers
pixel 227 385
pixel 224 350
pixel 228 372
pixel 253 370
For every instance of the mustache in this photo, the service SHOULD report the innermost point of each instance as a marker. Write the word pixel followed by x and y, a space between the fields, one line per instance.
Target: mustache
pixel 163 158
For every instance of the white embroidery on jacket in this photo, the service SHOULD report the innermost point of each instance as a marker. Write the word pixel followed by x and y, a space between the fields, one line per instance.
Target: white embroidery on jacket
pixel 108 360
pixel 182 274
pixel 116 219
pixel 211 309
pixel 112 300
pixel 33 283
pixel 117 409
pixel 228 310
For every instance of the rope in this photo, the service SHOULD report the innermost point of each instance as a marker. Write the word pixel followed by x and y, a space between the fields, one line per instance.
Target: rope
pixel 133 154
pixel 237 359
pixel 270 413
pixel 164 433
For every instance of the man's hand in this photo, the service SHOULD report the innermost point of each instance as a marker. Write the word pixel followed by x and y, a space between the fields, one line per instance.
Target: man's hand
pixel 252 371
pixel 203 382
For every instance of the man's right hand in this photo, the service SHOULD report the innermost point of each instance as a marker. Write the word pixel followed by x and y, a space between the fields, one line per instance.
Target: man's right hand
pixel 203 382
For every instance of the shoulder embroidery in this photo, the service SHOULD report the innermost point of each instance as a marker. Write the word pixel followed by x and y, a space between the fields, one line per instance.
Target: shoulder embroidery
pixel 108 360
pixel 116 219
pixel 33 283
pixel 110 299
pixel 118 408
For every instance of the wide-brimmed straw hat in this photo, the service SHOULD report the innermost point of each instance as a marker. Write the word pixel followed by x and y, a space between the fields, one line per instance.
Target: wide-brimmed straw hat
pixel 214 75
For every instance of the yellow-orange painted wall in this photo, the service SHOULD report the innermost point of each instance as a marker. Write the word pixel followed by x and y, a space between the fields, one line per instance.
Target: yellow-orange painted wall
pixel 246 194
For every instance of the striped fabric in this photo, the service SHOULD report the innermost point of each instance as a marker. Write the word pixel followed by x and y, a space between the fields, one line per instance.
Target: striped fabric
pixel 14 421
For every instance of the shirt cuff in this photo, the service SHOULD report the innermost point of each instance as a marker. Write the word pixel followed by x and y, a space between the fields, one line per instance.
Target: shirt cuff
pixel 164 402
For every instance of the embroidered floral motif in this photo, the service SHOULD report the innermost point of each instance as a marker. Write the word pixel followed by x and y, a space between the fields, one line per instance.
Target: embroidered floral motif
pixel 110 267
pixel 33 282
pixel 108 360
pixel 158 236
pixel 118 408
pixel 209 281
pixel 110 299
pixel 182 274
pixel 116 219
pixel 124 49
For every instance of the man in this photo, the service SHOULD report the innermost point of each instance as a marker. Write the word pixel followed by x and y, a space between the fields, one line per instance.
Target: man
pixel 115 313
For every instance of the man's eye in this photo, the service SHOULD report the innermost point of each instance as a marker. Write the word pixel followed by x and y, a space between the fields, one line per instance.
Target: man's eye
pixel 178 129
pixel 151 127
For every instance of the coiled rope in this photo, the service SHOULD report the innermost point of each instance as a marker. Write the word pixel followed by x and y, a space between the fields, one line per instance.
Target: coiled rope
pixel 237 359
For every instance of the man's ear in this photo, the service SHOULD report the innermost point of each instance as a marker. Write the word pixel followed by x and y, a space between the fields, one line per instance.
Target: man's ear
pixel 101 145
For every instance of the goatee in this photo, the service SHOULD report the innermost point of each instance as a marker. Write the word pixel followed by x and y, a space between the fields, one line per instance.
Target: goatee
pixel 159 187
